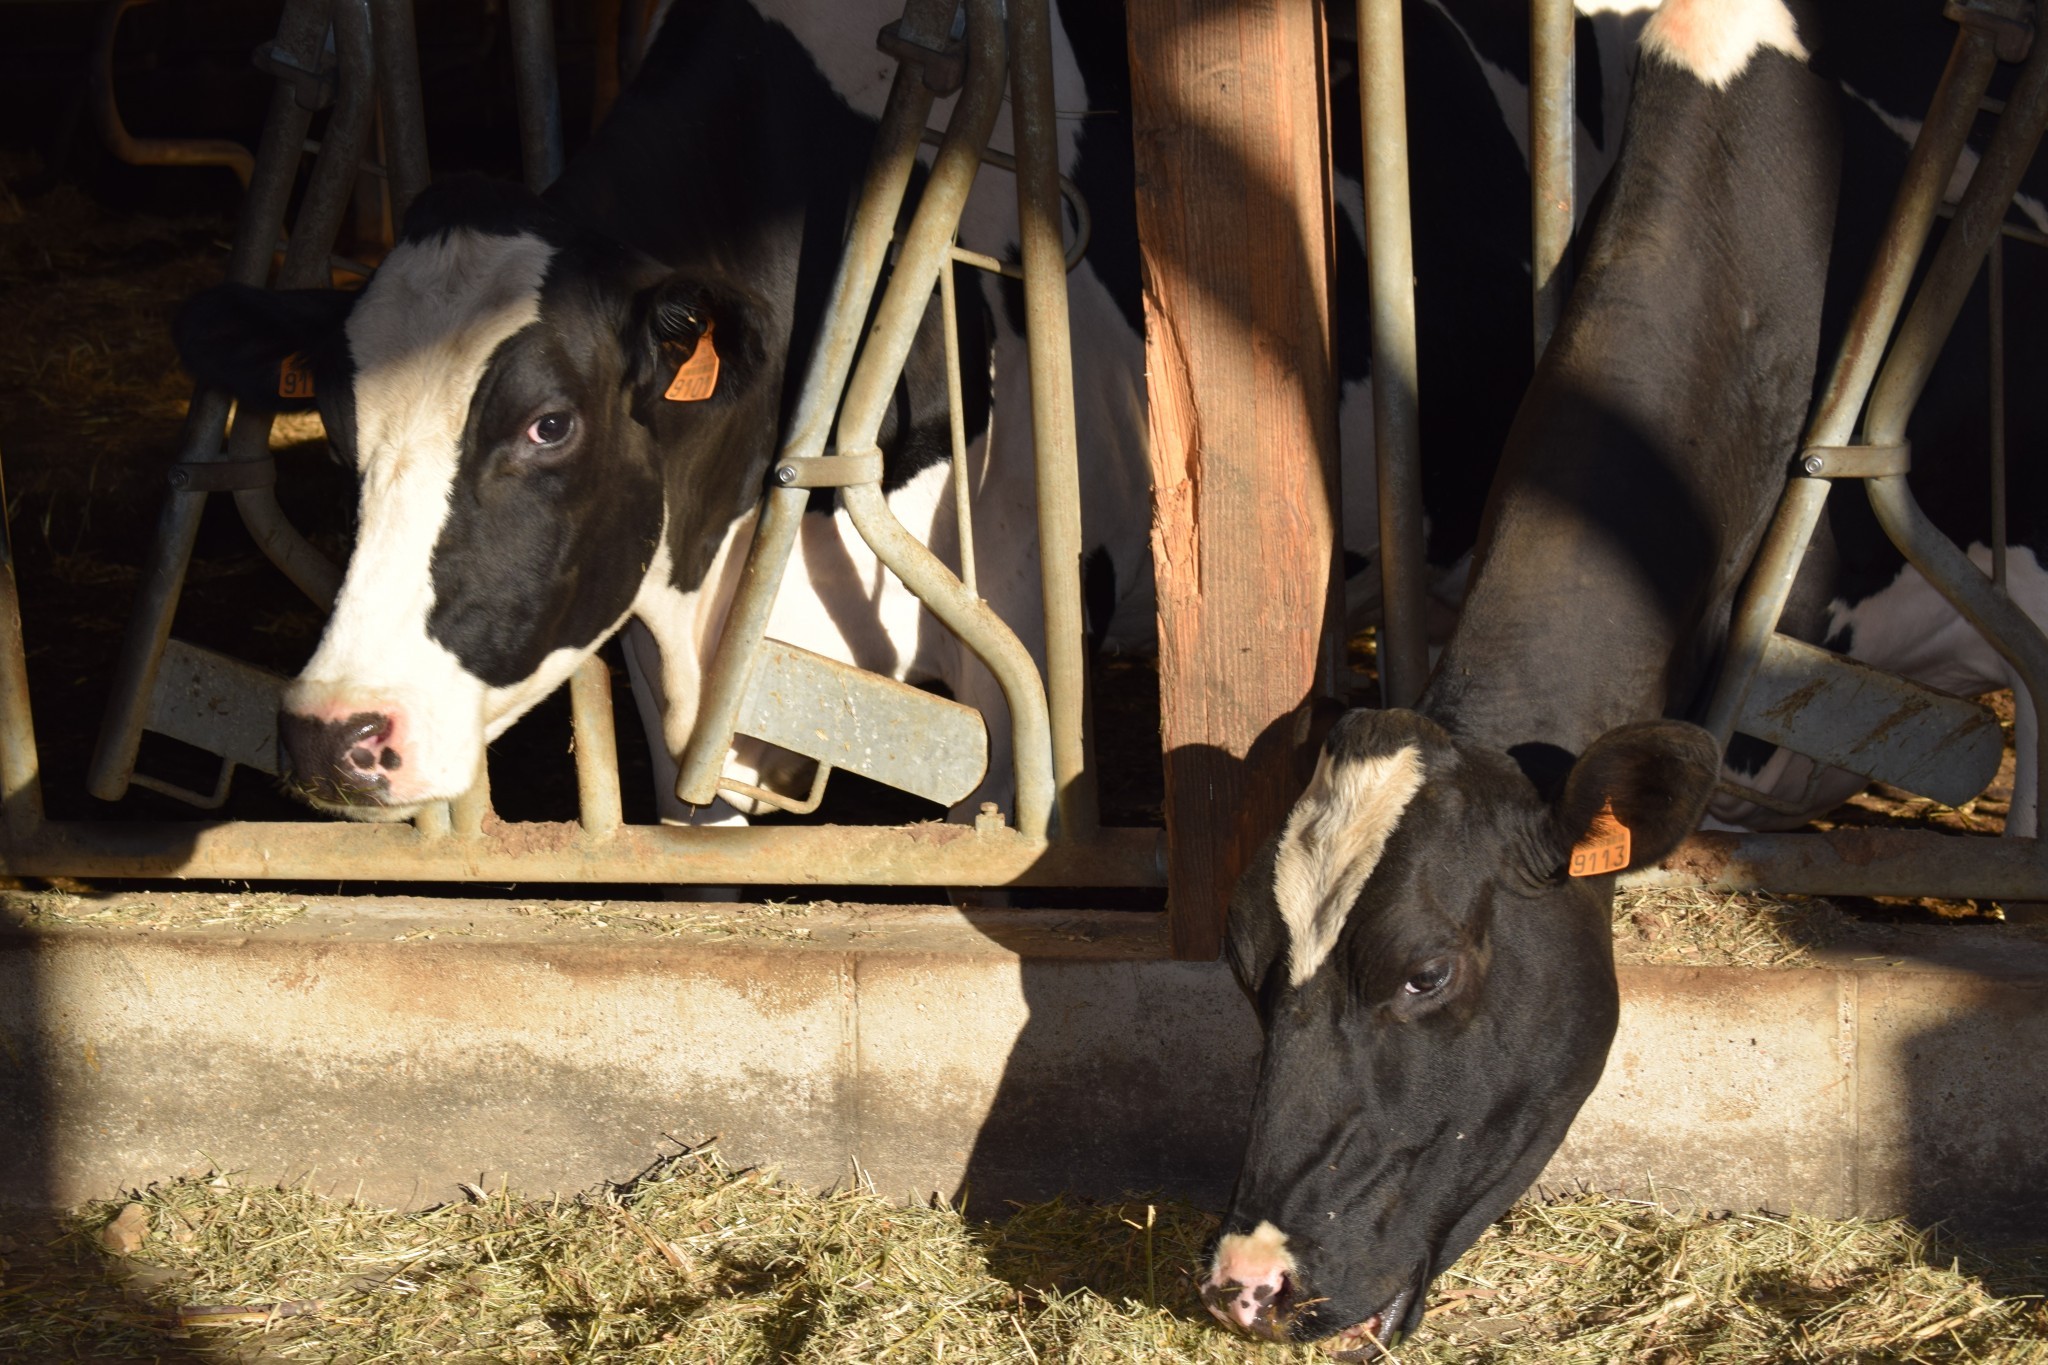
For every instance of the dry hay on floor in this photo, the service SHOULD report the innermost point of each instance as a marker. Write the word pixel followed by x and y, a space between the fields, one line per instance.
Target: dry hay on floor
pixel 699 1262
pixel 1691 926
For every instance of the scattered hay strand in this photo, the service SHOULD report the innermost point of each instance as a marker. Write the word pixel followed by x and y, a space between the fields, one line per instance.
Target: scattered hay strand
pixel 698 1262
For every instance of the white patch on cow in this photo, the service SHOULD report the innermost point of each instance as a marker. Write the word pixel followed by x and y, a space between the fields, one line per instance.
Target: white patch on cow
pixel 421 337
pixel 1715 39
pixel 1250 1258
pixel 1908 132
pixel 1333 840
pixel 1616 6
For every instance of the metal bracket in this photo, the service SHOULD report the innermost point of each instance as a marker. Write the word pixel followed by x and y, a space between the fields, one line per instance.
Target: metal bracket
pixel 944 69
pixel 1846 714
pixel 2010 23
pixel 1856 462
pixel 222 476
pixel 830 471
pixel 314 90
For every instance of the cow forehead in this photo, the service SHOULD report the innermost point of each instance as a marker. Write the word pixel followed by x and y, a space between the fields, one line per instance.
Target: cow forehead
pixel 425 331
pixel 1333 840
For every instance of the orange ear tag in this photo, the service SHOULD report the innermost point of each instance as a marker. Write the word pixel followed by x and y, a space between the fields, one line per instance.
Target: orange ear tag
pixel 1604 848
pixel 697 378
pixel 295 377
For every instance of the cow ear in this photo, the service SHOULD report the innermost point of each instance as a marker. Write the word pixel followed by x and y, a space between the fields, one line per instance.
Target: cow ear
pixel 266 347
pixel 1632 797
pixel 678 313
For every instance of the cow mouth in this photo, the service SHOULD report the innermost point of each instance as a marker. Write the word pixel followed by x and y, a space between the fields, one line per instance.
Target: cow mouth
pixel 1374 1338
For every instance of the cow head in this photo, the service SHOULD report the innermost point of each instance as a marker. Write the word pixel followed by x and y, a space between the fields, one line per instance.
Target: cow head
pixel 1437 996
pixel 502 390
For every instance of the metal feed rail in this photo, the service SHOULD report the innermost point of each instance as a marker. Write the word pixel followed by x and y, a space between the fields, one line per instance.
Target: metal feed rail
pixel 1806 699
pixel 345 55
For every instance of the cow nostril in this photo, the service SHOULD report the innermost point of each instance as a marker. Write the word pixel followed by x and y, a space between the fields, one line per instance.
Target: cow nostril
pixel 362 758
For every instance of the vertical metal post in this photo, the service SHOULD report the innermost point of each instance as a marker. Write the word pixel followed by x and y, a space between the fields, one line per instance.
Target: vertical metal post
pixel 1552 53
pixel 597 747
pixel 925 23
pixel 537 91
pixel 300 31
pixel 404 103
pixel 963 492
pixel 1996 283
pixel 21 785
pixel 1052 410
pixel 1390 260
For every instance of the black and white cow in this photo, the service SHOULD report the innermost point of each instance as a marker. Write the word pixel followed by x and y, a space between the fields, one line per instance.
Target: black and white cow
pixel 527 489
pixel 1435 984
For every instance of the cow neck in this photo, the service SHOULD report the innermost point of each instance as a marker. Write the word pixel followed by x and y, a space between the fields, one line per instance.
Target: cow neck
pixel 1650 449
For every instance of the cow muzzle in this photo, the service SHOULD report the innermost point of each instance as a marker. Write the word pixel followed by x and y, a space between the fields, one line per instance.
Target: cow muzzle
pixel 346 762
pixel 1255 1288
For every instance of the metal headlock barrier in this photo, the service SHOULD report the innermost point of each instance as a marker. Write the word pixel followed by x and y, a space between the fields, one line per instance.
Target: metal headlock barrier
pixel 357 59
pixel 1832 709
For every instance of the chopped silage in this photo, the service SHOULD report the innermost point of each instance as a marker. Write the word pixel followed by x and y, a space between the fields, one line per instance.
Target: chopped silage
pixel 698 1262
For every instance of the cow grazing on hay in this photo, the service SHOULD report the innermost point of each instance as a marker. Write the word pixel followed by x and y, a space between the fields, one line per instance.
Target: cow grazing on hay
pixel 1426 942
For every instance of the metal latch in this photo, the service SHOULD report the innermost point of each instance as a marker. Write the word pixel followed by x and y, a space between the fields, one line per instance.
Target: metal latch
pixel 1849 715
pixel 944 69
pixel 1856 462
pixel 2009 22
pixel 846 717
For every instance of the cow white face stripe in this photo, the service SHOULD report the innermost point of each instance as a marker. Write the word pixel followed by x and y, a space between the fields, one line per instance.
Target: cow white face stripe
pixel 1332 843
pixel 1714 39
pixel 421 338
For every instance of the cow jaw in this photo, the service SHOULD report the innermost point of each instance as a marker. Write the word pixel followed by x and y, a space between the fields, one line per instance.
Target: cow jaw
pixel 385 719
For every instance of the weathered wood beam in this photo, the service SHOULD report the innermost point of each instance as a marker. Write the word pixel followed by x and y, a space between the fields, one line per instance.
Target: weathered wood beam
pixel 1229 109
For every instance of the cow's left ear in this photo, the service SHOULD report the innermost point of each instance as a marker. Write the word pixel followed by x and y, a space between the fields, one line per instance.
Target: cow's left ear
pixel 694 337
pixel 1632 797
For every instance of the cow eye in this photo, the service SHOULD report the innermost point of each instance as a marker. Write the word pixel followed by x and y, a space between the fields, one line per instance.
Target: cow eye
pixel 1431 979
pixel 550 428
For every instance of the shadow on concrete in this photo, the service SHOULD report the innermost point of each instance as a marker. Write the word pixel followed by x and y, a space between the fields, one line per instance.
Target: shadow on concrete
pixel 62 1298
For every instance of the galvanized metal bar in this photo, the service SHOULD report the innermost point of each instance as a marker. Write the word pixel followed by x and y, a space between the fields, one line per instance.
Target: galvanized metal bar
pixel 1854 862
pixel 925 23
pixel 403 103
pixel 21 783
pixel 1077 204
pixel 343 146
pixel 1910 362
pixel 301 28
pixel 151 151
pixel 466 812
pixel 816 855
pixel 963 488
pixel 593 726
pixel 1996 285
pixel 1390 268
pixel 537 88
pixel 2004 626
pixel 1052 411
pixel 923 248
pixel 1961 253
pixel 1929 167
pixel 1552 86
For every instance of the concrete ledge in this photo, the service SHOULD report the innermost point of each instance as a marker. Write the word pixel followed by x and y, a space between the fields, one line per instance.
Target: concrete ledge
pixel 398 1046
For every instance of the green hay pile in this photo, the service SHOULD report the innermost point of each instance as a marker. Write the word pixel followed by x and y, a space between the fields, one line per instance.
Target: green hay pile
pixel 697 1262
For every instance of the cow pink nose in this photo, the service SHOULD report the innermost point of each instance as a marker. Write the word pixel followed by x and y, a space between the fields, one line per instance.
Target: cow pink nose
pixel 1252 1308
pixel 1248 1286
pixel 347 760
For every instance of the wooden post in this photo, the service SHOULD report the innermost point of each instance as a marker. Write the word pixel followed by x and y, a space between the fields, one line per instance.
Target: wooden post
pixel 1229 113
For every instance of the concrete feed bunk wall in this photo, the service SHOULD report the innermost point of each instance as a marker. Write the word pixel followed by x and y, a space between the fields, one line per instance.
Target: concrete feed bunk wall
pixel 401 1046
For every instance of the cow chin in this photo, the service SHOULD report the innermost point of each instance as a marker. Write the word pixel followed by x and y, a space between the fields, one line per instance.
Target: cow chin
pixel 375 752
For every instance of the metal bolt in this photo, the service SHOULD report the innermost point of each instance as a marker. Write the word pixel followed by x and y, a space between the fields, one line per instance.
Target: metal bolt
pixel 1813 464
pixel 785 474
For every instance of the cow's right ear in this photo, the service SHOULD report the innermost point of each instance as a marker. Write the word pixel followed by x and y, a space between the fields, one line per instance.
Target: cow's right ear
pixel 266 347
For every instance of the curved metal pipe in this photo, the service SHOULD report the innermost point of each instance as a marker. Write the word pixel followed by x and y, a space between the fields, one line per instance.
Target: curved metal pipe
pixel 152 151
pixel 926 23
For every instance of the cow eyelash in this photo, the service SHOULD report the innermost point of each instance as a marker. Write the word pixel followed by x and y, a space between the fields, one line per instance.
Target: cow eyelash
pixel 551 428
pixel 1432 978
